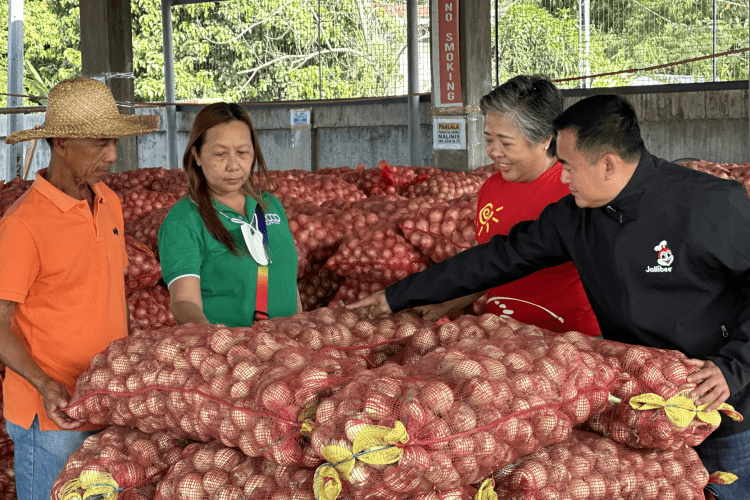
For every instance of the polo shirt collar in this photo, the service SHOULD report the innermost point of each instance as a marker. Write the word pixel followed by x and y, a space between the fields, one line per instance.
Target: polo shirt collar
pixel 61 200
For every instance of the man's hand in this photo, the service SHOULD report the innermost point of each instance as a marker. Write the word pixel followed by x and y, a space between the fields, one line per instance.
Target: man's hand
pixel 432 312
pixel 711 385
pixel 376 304
pixel 55 399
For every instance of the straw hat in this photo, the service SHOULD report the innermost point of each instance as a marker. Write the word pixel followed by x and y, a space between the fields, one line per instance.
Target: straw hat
pixel 84 108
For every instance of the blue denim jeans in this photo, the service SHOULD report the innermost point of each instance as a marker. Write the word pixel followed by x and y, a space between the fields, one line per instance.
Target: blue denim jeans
pixel 728 454
pixel 40 457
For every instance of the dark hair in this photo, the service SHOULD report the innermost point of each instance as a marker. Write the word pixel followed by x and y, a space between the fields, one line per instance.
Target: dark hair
pixel 207 118
pixel 50 143
pixel 532 101
pixel 603 122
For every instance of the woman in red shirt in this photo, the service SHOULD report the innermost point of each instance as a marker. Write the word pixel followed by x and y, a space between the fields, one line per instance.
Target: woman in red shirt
pixel 521 142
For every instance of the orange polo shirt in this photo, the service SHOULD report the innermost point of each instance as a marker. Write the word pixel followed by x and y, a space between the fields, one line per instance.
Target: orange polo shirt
pixel 63 265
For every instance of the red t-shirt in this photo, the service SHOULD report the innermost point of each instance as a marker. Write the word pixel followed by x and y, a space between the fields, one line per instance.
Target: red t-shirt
pixel 551 298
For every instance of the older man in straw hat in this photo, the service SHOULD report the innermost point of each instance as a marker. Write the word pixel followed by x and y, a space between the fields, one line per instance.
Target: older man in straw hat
pixel 62 294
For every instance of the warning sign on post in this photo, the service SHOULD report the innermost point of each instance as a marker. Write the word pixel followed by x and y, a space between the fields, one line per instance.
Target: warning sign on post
pixel 449 133
pixel 300 117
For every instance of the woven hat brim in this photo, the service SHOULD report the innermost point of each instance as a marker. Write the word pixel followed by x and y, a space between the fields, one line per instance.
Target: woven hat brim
pixel 123 126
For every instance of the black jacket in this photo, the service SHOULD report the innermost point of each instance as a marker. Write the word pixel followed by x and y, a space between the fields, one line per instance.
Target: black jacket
pixel 696 303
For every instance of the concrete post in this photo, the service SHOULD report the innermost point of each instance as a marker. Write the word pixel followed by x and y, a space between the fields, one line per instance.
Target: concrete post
pixel 458 124
pixel 301 145
pixel 107 55
pixel 169 85
pixel 412 38
pixel 15 86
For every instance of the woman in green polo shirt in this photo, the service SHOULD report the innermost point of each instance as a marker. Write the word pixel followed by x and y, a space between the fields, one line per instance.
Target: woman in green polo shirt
pixel 226 246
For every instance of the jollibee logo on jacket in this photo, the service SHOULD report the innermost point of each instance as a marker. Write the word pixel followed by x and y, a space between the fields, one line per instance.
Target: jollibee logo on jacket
pixel 664 258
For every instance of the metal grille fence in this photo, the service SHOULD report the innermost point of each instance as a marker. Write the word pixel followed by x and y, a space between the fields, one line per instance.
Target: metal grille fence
pixel 571 39
pixel 263 50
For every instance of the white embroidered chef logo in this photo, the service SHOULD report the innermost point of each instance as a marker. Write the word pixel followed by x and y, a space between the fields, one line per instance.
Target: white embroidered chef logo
pixel 664 259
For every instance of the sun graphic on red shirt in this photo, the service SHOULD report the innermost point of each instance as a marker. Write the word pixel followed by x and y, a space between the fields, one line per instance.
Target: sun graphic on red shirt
pixel 486 215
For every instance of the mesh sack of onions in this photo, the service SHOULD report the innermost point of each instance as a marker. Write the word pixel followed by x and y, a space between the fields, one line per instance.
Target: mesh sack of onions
pixel 316 291
pixel 7 477
pixel 149 308
pixel 247 387
pixel 354 220
pixel 139 201
pixel 132 179
pixel 352 290
pixel 309 186
pixel 653 412
pixel 448 333
pixel 174 181
pixel 119 459
pixel 456 415
pixel 379 255
pixel 316 239
pixel 443 229
pixel 339 332
pixel 143 270
pixel 445 186
pixel 715 169
pixel 294 206
pixel 590 466
pixel 211 471
pixel 11 191
pixel 146 229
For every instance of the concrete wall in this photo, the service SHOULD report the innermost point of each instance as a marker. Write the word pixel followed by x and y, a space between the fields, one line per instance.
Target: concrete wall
pixel 710 125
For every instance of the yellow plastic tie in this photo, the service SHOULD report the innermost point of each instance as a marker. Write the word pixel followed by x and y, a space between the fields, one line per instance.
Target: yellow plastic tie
pixel 486 491
pixel 719 477
pixel 69 491
pixel 327 483
pixel 681 410
pixel 340 458
pixel 94 484
pixel 378 445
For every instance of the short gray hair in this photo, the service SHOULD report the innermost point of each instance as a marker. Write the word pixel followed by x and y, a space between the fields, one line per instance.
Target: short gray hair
pixel 532 101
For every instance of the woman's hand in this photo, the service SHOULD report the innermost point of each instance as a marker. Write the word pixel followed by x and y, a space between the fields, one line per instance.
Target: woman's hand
pixel 376 304
pixel 186 301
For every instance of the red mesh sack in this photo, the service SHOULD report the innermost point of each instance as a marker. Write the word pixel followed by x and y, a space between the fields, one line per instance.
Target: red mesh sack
pixel 146 229
pixel 131 179
pixel 445 186
pixel 150 309
pixel 316 238
pixel 392 209
pixel 351 291
pixel 354 220
pixel 382 255
pixel 443 229
pixel 294 206
pixel 211 471
pixel 7 477
pixel 716 169
pixel 11 191
pixel 309 186
pixel 591 466
pixel 249 387
pixel 342 333
pixel 121 458
pixel 650 371
pixel 143 270
pixel 174 181
pixel 458 414
pixel 316 291
pixel 139 201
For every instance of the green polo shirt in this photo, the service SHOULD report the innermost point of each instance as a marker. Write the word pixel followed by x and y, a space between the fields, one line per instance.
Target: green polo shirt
pixel 228 281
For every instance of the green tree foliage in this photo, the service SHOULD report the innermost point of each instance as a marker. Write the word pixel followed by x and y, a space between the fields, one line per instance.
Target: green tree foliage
pixel 261 50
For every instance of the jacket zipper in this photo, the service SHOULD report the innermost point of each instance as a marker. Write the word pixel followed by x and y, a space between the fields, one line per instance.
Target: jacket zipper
pixel 724 331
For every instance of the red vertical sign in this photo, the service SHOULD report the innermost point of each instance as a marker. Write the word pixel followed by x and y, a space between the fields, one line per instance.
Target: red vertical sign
pixel 448 54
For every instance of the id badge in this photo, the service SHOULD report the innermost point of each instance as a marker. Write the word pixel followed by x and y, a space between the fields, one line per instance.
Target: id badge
pixel 254 242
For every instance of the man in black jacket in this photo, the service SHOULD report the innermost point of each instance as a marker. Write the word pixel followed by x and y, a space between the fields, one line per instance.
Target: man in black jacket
pixel 664 256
